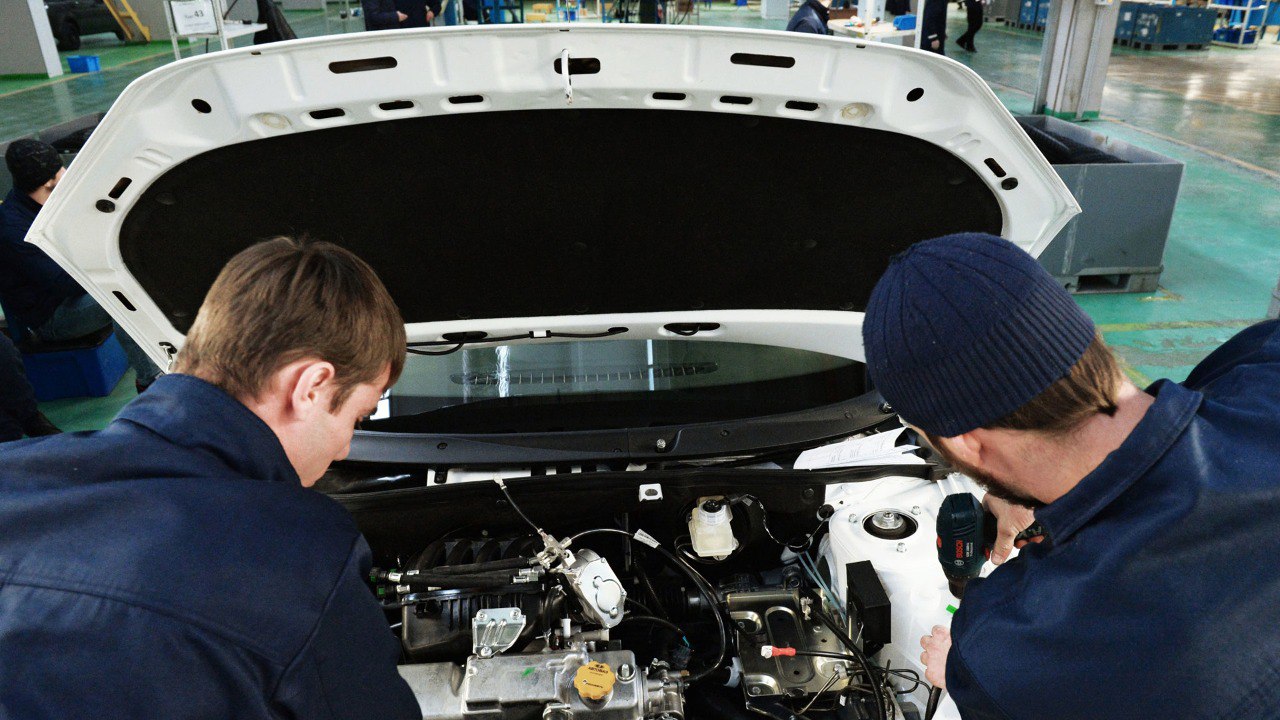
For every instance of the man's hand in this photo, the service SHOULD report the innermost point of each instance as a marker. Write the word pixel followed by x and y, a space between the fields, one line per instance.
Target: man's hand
pixel 934 656
pixel 1011 519
pixel 401 16
pixel 936 44
pixel 430 16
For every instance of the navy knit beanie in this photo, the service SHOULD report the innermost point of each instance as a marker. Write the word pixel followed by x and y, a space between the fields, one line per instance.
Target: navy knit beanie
pixel 31 163
pixel 964 329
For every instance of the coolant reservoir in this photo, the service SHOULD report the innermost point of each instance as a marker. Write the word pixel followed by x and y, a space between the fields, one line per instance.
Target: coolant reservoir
pixel 711 529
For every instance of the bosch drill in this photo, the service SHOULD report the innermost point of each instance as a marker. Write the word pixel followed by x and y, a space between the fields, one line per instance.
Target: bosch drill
pixel 966 535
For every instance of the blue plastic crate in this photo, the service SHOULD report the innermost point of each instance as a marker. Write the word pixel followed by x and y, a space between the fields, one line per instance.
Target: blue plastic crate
pixel 1027 12
pixel 81 372
pixel 1128 14
pixel 1188 26
pixel 84 63
pixel 1232 35
pixel 904 22
pixel 1146 25
pixel 1042 13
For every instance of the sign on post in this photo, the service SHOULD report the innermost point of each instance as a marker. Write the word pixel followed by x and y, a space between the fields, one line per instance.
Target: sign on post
pixel 194 17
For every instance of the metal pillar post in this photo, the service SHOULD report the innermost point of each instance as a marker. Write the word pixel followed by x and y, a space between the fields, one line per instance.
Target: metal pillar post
pixel 1073 62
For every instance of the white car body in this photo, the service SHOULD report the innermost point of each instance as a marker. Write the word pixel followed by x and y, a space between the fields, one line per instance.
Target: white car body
pixel 210 103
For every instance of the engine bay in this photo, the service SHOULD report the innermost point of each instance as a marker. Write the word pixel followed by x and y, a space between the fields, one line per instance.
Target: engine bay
pixel 662 592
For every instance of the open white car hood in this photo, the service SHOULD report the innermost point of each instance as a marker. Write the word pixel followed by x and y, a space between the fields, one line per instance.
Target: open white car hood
pixel 755 180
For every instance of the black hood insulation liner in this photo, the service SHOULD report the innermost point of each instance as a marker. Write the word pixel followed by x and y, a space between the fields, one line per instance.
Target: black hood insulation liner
pixel 567 212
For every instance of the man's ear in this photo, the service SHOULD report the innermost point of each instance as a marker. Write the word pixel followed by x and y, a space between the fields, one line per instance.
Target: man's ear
pixel 310 387
pixel 968 447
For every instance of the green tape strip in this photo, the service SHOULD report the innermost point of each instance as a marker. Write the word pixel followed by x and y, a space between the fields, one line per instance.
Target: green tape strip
pixel 952 609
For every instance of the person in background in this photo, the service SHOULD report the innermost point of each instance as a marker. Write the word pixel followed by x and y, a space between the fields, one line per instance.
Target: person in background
pixel 18 412
pixel 933 25
pixel 420 13
pixel 381 15
pixel 811 18
pixel 41 296
pixel 973 13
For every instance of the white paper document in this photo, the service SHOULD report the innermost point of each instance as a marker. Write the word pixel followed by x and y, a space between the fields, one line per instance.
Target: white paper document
pixel 857 452
pixel 194 17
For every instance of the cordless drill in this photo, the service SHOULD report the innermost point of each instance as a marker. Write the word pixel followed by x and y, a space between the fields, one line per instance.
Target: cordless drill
pixel 966 535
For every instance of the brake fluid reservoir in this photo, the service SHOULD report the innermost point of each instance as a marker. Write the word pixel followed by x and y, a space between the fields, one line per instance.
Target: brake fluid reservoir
pixel 711 529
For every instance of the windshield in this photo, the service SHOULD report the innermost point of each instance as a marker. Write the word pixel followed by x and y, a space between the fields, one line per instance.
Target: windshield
pixel 609 384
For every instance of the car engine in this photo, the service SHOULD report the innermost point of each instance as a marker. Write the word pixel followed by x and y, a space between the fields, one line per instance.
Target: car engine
pixel 614 623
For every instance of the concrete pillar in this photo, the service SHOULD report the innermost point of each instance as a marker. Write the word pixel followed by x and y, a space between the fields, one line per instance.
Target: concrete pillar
pixel 28 47
pixel 1073 63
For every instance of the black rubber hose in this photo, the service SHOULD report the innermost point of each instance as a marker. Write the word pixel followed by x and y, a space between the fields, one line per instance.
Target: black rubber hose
pixel 653 620
pixel 653 594
pixel 697 579
pixel 853 648
pixel 935 696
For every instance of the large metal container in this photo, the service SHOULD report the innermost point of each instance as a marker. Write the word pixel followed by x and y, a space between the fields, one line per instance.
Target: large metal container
pixel 1117 242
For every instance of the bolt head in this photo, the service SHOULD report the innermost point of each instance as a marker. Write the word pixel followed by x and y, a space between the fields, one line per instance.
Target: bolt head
pixel 660 444
pixel 902 547
pixel 754 690
pixel 915 510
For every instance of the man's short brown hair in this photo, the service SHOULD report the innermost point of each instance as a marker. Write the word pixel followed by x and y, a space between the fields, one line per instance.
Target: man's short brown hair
pixel 1088 389
pixel 283 300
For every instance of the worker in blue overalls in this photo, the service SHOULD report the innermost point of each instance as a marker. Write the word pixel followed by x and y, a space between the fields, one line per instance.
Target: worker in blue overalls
pixel 1152 593
pixel 176 564
pixel 933 26
pixel 811 18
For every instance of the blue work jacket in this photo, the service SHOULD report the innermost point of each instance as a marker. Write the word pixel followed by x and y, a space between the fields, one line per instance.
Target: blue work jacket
pixel 1156 592
pixel 172 566
pixel 380 14
pixel 31 285
pixel 810 18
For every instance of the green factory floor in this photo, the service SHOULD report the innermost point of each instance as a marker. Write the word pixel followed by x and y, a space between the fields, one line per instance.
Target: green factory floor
pixel 1217 110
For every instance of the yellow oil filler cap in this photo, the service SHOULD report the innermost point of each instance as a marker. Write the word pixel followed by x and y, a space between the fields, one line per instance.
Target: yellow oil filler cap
pixel 594 681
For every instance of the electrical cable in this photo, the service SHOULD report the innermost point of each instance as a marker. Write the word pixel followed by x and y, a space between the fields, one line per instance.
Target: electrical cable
pixel 834 676
pixel 660 623
pixel 764 515
pixel 643 608
pixel 845 640
pixel 510 500
pixel 935 696
pixel 811 569
pixel 909 675
pixel 643 576
pixel 703 586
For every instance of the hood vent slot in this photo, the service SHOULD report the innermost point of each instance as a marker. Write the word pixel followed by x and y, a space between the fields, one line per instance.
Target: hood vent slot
pixel 579 66
pixel 774 61
pixel 342 67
